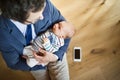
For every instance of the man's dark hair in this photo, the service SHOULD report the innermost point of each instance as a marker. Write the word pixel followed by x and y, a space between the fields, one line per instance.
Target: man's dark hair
pixel 19 9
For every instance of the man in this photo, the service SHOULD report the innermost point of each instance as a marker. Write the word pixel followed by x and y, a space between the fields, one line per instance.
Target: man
pixel 41 15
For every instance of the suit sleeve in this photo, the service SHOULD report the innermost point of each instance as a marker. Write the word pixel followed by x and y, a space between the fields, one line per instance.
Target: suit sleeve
pixel 13 59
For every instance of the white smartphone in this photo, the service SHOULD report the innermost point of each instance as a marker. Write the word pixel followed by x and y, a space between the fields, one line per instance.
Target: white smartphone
pixel 77 54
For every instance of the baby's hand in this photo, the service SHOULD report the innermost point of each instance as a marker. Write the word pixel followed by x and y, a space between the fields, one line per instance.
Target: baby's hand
pixel 45 40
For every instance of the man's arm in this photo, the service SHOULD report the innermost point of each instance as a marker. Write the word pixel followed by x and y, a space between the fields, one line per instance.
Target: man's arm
pixel 14 60
pixel 62 49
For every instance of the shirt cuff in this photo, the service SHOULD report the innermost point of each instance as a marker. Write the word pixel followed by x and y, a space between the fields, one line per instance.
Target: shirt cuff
pixel 56 56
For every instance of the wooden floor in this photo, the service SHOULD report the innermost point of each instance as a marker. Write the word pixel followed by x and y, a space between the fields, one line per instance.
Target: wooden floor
pixel 98 34
pixel 97 24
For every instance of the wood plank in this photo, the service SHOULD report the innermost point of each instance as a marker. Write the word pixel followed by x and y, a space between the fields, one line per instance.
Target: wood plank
pixel 97 24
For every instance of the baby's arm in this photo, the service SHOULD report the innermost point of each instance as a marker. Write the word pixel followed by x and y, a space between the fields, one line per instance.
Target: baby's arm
pixel 48 46
pixel 52 47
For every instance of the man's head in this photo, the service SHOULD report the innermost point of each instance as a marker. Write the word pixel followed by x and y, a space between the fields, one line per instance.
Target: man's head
pixel 64 29
pixel 24 11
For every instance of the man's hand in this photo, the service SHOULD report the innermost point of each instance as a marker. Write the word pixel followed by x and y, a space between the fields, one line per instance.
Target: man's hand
pixel 24 56
pixel 48 57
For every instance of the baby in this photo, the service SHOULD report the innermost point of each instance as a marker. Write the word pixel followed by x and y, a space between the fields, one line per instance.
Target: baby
pixel 51 40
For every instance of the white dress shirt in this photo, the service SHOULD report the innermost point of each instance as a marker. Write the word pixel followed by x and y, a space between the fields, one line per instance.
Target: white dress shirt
pixel 22 27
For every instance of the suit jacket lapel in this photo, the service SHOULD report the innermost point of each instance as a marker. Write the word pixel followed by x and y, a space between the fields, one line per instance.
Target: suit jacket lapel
pixel 15 32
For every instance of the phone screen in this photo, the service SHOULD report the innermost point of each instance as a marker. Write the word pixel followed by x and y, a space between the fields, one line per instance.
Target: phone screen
pixel 77 53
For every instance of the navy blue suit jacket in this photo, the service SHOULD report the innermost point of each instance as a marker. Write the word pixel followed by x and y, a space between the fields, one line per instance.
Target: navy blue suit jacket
pixel 12 40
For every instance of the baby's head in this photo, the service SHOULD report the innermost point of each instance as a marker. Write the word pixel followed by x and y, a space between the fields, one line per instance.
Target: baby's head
pixel 63 29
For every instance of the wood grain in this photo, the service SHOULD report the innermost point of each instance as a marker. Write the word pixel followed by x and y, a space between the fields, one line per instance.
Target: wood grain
pixel 97 24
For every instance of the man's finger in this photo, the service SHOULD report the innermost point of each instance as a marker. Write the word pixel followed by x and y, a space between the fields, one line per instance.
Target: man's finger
pixel 42 51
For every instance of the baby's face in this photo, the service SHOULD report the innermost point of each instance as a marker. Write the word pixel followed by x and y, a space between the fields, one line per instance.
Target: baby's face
pixel 58 30
pixel 63 30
